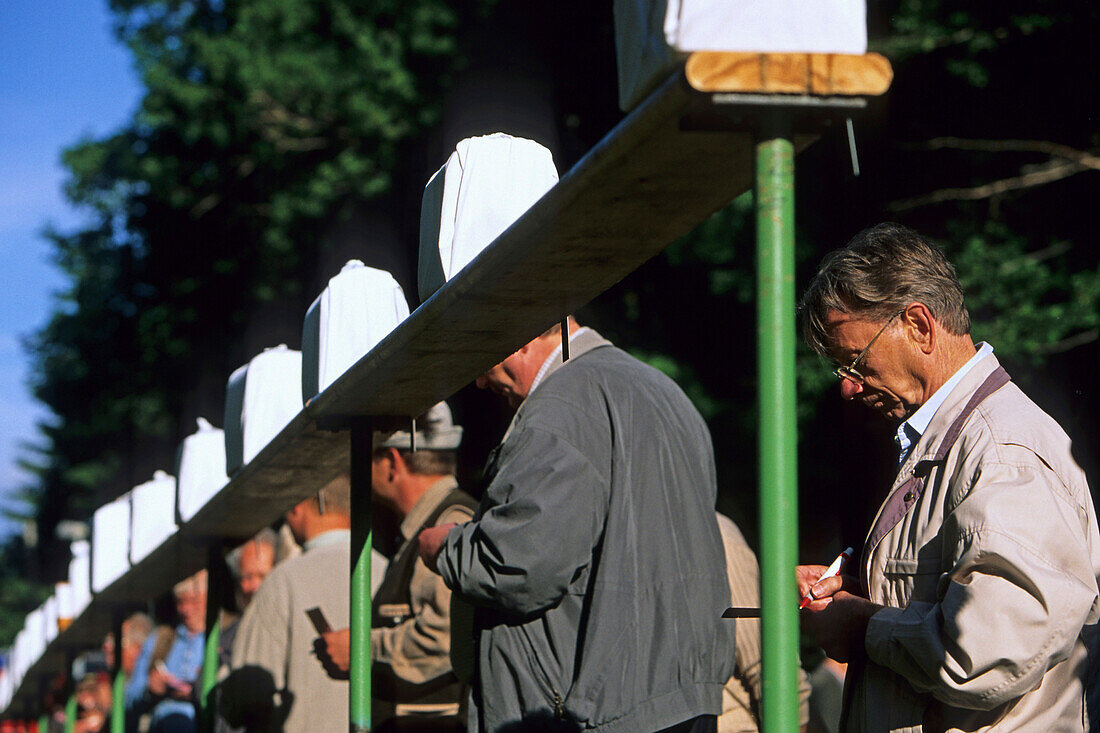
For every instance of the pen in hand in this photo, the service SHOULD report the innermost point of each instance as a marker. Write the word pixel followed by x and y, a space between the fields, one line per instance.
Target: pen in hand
pixel 832 570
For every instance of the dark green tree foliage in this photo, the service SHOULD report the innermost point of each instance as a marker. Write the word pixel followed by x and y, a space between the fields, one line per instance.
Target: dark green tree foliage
pixel 262 120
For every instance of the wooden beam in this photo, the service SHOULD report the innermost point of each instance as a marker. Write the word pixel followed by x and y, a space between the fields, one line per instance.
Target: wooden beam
pixel 648 182
pixel 789 73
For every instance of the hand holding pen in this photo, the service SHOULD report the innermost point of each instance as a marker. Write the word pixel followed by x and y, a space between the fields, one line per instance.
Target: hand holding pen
pixel 831 571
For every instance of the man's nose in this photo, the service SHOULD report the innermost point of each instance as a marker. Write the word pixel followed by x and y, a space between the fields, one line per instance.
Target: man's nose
pixel 849 388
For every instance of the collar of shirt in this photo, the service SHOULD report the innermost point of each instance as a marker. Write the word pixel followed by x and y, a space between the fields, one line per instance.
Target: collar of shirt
pixel 555 357
pixel 425 505
pixel 331 537
pixel 910 431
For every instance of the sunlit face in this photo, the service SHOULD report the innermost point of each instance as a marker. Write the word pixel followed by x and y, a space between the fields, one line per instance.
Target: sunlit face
pixel 191 608
pixel 511 378
pixel 889 386
pixel 131 650
pixel 257 559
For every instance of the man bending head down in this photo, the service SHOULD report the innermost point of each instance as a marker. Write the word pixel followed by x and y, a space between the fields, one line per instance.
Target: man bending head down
pixel 982 563
pixel 594 561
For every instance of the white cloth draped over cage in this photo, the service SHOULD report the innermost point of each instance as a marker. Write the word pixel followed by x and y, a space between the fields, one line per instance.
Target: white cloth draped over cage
pixel 50 613
pixel 66 604
pixel 110 542
pixel 35 626
pixel 358 308
pixel 486 184
pixel 6 688
pixel 152 515
pixel 80 573
pixel 261 397
pixel 653 36
pixel 200 468
pixel 20 661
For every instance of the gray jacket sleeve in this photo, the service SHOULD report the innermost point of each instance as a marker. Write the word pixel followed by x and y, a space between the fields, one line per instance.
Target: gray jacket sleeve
pixel 548 504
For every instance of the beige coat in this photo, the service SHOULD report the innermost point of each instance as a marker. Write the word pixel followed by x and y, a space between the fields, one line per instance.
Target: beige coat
pixel 988 575
pixel 419 648
pixel 275 652
pixel 742 694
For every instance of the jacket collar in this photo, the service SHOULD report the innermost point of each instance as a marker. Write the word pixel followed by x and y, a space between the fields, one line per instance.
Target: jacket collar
pixel 953 404
pixel 581 341
pixel 425 505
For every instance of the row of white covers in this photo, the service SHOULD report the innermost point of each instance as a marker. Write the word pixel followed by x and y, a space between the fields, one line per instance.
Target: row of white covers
pixel 486 185
pixel 43 624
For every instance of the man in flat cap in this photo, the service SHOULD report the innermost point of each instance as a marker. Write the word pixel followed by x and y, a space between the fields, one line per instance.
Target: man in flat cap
pixel 414 687
pixel 594 561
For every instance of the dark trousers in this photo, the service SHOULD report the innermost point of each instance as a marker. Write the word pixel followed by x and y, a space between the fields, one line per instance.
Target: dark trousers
pixel 702 724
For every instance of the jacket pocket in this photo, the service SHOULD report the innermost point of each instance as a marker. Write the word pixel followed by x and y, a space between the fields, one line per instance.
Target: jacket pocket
pixel 551 692
pixel 912 578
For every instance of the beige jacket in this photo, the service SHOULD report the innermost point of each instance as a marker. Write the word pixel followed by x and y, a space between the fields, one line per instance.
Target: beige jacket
pixel 741 695
pixel 989 575
pixel 418 649
pixel 276 675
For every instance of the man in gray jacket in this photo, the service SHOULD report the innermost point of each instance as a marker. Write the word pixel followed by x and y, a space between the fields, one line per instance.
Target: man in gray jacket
pixel 594 560
pixel 977 598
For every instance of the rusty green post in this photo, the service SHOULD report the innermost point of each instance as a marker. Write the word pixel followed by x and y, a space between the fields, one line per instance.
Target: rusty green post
pixel 360 697
pixel 774 201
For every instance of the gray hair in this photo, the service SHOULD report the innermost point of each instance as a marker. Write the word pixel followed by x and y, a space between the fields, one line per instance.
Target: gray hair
pixel 876 275
pixel 193 585
pixel 266 536
pixel 136 628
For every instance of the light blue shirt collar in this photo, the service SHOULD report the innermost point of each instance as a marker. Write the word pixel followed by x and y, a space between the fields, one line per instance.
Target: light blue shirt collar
pixel 910 431
pixel 331 537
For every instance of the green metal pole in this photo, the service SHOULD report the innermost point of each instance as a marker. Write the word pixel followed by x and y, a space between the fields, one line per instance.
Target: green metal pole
pixel 359 713
pixel 118 688
pixel 70 713
pixel 774 199
pixel 70 704
pixel 44 723
pixel 215 581
pixel 118 702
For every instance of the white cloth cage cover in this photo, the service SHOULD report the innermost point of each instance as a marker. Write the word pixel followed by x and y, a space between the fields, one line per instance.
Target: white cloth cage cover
pixel 66 604
pixel 80 572
pixel 50 614
pixel 486 184
pixel 152 515
pixel 358 308
pixel 20 656
pixel 35 625
pixel 7 691
pixel 653 36
pixel 261 397
pixel 200 468
pixel 110 543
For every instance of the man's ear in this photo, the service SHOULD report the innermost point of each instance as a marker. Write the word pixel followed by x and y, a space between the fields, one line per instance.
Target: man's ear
pixel 921 326
pixel 396 463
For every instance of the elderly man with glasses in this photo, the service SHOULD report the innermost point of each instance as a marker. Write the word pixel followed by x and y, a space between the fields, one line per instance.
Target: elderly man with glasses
pixel 977 599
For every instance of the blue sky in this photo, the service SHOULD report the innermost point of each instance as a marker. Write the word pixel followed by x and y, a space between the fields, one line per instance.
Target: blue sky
pixel 63 76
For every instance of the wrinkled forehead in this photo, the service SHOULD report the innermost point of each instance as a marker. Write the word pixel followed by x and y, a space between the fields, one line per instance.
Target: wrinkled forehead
pixel 846 334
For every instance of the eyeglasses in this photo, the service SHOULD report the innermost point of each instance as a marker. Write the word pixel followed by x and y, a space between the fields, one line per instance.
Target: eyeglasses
pixel 849 372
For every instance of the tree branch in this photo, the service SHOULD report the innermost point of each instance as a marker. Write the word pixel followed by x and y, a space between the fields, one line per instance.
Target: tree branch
pixel 1052 149
pixel 1047 173
pixel 1059 347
